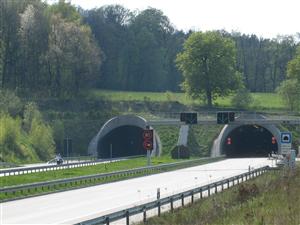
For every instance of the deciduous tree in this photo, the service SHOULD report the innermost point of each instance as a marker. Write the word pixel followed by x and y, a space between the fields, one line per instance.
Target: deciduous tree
pixel 208 63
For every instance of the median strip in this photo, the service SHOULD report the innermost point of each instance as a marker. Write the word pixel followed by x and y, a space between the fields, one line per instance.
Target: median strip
pixel 33 189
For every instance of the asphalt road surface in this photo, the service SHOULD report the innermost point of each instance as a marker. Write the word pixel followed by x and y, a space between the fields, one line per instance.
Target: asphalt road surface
pixel 79 205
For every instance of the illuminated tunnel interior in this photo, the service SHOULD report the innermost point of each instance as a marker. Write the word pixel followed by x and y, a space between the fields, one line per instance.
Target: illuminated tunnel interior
pixel 249 141
pixel 122 141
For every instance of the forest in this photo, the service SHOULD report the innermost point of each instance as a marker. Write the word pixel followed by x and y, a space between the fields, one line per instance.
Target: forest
pixel 53 57
pixel 60 50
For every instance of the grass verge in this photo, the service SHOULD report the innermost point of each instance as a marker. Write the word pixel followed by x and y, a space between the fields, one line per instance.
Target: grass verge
pixel 81 171
pixel 276 200
pixel 91 182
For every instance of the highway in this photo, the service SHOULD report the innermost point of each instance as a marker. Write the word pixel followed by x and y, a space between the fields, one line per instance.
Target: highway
pixel 42 167
pixel 79 205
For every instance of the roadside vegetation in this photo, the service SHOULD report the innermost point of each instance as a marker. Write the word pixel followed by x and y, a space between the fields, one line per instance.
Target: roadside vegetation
pixel 83 171
pixel 272 198
pixel 59 65
pixel 260 101
pixel 24 135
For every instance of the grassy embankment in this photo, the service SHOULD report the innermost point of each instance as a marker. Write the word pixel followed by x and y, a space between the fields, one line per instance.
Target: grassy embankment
pixel 261 101
pixel 98 169
pixel 81 171
pixel 274 200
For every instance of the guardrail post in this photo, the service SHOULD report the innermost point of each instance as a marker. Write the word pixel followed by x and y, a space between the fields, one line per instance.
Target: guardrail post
pixel 158 207
pixel 172 207
pixel 107 220
pixel 208 191
pixel 238 180
pixel 182 199
pixel 144 215
pixel 192 196
pixel 127 217
pixel 222 186
pixel 216 188
pixel 228 184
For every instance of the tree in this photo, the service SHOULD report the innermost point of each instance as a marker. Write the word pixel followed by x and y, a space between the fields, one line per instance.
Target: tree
pixel 293 68
pixel 33 35
pixel 208 66
pixel 152 31
pixel 73 57
pixel 289 90
pixel 110 27
pixel 2 49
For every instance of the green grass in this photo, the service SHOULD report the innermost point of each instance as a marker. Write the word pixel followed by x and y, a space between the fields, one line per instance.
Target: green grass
pixel 87 182
pixel 277 202
pixel 201 138
pixel 169 137
pixel 261 101
pixel 82 171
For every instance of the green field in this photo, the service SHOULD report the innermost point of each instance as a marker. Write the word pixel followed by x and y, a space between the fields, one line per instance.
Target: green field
pixel 276 201
pixel 261 101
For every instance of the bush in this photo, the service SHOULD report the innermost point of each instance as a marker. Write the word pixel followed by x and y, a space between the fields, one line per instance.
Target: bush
pixel 289 90
pixel 181 152
pixel 242 99
pixel 42 140
pixel 9 133
pixel 31 113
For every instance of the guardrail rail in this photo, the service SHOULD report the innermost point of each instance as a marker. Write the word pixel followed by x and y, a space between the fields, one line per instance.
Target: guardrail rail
pixel 89 180
pixel 26 170
pixel 143 208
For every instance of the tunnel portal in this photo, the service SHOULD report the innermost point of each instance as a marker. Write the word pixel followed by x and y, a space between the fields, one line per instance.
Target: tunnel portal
pixel 122 136
pixel 122 141
pixel 249 141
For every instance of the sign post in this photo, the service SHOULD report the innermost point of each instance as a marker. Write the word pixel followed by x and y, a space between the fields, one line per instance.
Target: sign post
pixel 148 143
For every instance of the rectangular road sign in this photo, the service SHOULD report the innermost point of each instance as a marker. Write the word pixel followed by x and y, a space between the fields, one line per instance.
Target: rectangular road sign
pixel 286 142
pixel 286 137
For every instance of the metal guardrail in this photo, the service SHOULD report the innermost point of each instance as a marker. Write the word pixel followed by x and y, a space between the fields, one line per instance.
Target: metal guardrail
pixel 92 179
pixel 126 213
pixel 26 170
pixel 267 121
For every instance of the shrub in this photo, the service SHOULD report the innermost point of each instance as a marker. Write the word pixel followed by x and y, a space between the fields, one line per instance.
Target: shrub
pixel 242 99
pixel 42 140
pixel 181 152
pixel 9 132
pixel 289 90
pixel 31 113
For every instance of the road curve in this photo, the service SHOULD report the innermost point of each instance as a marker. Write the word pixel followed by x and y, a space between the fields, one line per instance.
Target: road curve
pixel 78 205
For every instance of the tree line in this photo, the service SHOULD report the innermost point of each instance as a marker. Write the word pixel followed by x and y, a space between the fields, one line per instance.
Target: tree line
pixel 60 50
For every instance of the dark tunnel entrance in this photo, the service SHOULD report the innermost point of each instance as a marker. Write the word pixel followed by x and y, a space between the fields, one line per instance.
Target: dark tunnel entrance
pixel 120 142
pixel 249 141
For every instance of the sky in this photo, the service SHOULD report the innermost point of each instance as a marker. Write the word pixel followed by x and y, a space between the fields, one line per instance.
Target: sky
pixel 265 18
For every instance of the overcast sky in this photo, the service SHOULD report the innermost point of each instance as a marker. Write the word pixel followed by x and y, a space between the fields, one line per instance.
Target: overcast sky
pixel 265 18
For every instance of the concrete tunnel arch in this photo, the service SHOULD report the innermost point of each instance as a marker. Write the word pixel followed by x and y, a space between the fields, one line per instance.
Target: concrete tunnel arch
pixel 247 140
pixel 123 135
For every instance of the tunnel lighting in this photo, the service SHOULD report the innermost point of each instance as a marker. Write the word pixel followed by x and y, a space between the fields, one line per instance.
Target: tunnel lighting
pixel 273 140
pixel 229 141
